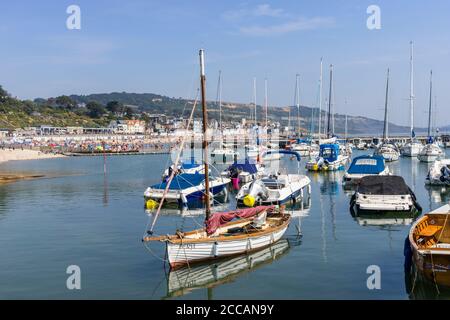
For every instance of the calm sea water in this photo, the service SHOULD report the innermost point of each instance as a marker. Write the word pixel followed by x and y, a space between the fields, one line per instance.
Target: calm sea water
pixel 80 217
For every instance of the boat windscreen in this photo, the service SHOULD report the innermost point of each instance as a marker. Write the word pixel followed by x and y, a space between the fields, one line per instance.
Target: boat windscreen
pixel 383 185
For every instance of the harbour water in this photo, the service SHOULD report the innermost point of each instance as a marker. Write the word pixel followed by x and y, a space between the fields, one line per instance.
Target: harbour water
pixel 79 216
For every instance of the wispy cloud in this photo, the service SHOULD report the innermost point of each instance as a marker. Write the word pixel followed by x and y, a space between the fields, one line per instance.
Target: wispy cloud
pixel 262 10
pixel 248 21
pixel 298 24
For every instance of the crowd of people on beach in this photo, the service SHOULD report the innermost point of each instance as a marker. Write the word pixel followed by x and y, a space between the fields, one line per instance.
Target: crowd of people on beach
pixel 87 145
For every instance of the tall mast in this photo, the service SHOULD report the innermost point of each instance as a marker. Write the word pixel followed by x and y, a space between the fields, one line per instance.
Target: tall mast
pixel 205 128
pixel 289 120
pixel 297 100
pixel 265 100
pixel 429 107
pixel 254 98
pixel 329 102
pixel 385 129
pixel 346 127
pixel 411 88
pixel 320 98
pixel 220 100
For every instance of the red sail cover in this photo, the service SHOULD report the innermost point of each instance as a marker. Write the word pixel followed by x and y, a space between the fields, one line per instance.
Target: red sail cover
pixel 220 218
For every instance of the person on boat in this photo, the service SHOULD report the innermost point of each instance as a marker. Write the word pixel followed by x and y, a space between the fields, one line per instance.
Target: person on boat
pixel 445 174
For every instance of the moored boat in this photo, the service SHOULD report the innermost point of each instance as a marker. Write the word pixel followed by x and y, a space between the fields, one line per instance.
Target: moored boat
pixel 439 173
pixel 363 166
pixel 275 188
pixel 255 229
pixel 429 239
pixel 383 193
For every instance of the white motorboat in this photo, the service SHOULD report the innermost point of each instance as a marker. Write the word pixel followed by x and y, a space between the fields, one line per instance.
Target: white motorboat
pixel 275 188
pixel 329 159
pixel 363 166
pixel 439 173
pixel 383 193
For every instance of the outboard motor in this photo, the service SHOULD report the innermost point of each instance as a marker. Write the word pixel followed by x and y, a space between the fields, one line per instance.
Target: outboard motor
pixel 256 193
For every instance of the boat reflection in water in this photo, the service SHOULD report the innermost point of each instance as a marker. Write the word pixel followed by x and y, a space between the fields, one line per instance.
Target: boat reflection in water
pixel 384 219
pixel 182 281
pixel 420 287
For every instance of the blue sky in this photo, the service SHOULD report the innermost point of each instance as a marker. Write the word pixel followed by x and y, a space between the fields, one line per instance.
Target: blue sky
pixel 152 46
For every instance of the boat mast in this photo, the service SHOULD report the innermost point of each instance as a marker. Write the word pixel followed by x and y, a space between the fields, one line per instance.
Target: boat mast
pixel 220 101
pixel 329 102
pixel 429 107
pixel 385 129
pixel 254 98
pixel 320 98
pixel 289 121
pixel 346 128
pixel 265 100
pixel 411 89
pixel 297 100
pixel 205 128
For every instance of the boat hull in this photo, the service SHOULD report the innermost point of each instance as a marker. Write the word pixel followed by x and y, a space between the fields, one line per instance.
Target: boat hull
pixel 180 254
pixel 188 195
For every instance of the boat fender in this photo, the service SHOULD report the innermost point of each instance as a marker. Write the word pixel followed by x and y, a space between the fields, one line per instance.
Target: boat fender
pixel 249 200
pixel 151 204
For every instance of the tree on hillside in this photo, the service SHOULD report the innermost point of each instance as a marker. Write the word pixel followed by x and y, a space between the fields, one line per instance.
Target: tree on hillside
pixel 65 102
pixel 114 106
pixel 4 95
pixel 129 112
pixel 96 110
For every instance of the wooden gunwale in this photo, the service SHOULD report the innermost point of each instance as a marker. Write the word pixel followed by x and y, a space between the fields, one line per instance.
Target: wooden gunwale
pixel 175 239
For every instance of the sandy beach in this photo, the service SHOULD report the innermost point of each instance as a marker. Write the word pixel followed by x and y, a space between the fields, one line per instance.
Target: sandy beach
pixel 18 154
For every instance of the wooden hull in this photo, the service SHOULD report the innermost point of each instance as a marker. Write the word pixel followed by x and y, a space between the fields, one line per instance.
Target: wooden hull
pixel 189 251
pixel 429 240
pixel 434 267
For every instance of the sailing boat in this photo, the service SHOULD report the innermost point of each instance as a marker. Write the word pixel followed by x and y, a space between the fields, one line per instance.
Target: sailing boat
pixel 224 150
pixel 431 152
pixel 413 147
pixel 330 156
pixel 255 229
pixel 387 150
pixel 303 146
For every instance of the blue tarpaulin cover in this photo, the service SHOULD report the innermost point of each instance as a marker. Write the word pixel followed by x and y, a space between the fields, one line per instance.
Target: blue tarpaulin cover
pixel 367 165
pixel 182 181
pixel 329 151
pixel 246 167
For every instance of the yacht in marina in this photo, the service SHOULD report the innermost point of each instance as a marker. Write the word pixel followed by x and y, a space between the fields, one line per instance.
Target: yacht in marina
pixel 387 150
pixel 431 152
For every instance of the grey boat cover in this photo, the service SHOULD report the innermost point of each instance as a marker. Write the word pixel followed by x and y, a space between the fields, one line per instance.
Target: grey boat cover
pixel 383 185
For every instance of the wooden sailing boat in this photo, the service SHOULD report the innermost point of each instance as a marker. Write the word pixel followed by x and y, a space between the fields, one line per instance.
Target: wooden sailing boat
pixel 429 240
pixel 221 237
